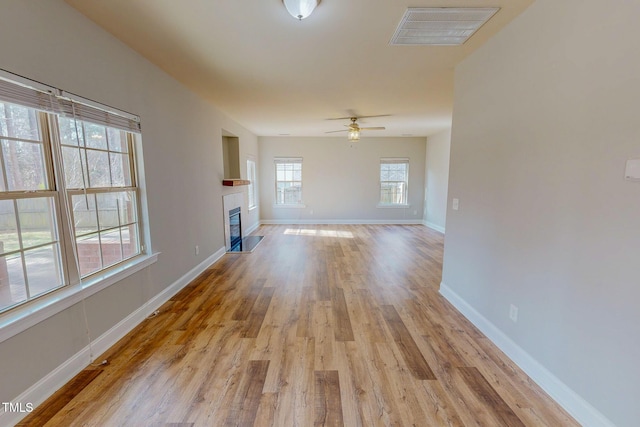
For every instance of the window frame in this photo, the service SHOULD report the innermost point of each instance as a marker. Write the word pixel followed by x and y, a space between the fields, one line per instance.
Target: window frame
pixel 252 188
pixel 288 161
pixel 404 202
pixel 16 317
pixel 88 190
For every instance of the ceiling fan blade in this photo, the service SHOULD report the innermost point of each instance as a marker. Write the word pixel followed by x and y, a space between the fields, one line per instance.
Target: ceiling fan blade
pixel 358 117
pixel 374 128
pixel 378 115
pixel 334 131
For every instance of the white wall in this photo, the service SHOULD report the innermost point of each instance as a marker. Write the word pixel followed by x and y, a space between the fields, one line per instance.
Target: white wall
pixel 52 43
pixel 545 116
pixel 341 181
pixel 437 180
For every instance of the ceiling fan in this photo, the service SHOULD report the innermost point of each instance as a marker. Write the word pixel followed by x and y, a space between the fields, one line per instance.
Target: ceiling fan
pixel 354 128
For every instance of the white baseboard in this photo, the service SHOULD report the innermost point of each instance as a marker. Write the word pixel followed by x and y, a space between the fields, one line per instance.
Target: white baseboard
pixel 573 403
pixel 340 221
pixel 434 226
pixel 43 389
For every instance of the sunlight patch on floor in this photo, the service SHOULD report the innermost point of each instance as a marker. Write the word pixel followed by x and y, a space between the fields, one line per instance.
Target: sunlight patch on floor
pixel 321 233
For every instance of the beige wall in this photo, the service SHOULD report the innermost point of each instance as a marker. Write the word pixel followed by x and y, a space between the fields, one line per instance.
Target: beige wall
pixel 341 181
pixel 54 44
pixel 437 180
pixel 545 116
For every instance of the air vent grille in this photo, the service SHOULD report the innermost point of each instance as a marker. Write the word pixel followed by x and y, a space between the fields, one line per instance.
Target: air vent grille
pixel 440 26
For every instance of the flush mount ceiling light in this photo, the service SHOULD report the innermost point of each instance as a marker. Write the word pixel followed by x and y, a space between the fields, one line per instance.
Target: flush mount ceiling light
pixel 300 9
pixel 440 26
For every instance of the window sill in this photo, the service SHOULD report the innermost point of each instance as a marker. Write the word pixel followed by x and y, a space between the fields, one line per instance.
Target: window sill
pixel 397 206
pixel 292 206
pixel 253 208
pixel 23 317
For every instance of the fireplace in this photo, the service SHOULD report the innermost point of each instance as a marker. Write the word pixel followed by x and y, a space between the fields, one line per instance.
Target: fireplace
pixel 235 228
pixel 234 208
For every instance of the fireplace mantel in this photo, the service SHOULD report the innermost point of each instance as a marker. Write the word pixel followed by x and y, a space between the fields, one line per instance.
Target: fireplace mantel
pixel 235 182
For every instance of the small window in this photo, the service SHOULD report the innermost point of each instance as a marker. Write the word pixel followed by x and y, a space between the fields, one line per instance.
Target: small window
pixel 288 181
pixel 251 176
pixel 394 181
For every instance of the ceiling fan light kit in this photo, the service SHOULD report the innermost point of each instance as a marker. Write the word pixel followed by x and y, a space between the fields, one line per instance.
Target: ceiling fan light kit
pixel 353 129
pixel 300 9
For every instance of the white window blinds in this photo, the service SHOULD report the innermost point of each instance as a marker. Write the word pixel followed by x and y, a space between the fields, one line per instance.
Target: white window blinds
pixel 41 97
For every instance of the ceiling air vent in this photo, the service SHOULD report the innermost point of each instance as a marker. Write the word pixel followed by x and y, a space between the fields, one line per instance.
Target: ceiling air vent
pixel 444 26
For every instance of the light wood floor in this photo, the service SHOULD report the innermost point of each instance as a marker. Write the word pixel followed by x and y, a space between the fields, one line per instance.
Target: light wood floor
pixel 320 326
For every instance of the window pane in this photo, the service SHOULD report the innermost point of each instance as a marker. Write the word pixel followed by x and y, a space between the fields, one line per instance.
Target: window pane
pixel 108 210
pixel 24 163
pixel 8 229
pixel 75 169
pixel 127 207
pixel 120 172
pixel 36 221
pixel 69 132
pixel 12 284
pixel 117 140
pixel 43 269
pixel 98 169
pixel 85 216
pixel 130 246
pixel 111 249
pixel 95 135
pixel 89 254
pixel 17 121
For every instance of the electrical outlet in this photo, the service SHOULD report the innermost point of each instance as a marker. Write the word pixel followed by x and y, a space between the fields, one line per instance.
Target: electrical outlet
pixel 455 204
pixel 415 212
pixel 513 313
pixel 197 250
pixel 311 212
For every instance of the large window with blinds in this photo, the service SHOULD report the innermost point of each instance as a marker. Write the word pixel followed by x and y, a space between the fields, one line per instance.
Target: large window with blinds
pixel 394 181
pixel 69 200
pixel 288 181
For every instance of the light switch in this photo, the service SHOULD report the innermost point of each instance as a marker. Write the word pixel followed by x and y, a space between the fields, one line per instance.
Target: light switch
pixel 456 204
pixel 632 171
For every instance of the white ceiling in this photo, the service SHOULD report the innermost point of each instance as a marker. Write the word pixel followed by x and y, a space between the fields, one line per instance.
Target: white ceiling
pixel 276 75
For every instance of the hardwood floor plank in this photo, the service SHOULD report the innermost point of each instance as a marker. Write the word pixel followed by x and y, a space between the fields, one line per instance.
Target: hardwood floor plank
pixel 258 313
pixel 248 300
pixel 245 405
pixel 407 346
pixel 328 404
pixel 342 327
pixel 305 320
pixel 494 402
